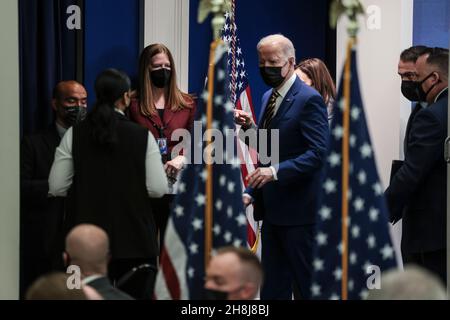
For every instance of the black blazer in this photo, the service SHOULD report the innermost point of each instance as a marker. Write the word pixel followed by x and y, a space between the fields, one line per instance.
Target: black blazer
pixel 107 291
pixel 418 190
pixel 41 217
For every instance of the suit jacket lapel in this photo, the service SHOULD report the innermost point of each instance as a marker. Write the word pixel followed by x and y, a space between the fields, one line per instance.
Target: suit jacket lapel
pixel 416 109
pixel 52 137
pixel 264 102
pixel 286 103
pixel 168 116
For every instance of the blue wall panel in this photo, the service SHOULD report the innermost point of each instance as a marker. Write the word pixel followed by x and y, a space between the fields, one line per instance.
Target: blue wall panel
pixel 111 39
pixel 431 23
pixel 304 22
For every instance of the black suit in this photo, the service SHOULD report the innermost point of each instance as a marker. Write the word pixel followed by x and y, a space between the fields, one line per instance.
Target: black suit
pixel 418 189
pixel 41 217
pixel 107 291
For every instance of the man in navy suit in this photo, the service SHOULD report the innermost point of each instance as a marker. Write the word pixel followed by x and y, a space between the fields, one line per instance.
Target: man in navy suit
pixel 285 193
pixel 418 189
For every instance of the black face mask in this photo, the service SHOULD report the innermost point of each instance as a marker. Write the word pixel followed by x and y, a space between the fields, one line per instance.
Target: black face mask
pixel 74 115
pixel 409 90
pixel 215 295
pixel 421 94
pixel 161 77
pixel 272 76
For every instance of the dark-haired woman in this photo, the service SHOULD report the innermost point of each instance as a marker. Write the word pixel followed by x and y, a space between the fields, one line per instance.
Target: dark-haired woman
pixel 162 108
pixel 109 167
pixel 315 74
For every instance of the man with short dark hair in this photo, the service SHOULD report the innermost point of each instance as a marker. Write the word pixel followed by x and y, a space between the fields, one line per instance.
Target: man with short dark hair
pixel 233 274
pixel 417 191
pixel 407 70
pixel 41 217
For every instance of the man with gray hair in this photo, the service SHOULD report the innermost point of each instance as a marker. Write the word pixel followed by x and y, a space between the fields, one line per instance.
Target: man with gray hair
pixel 414 283
pixel 87 246
pixel 285 193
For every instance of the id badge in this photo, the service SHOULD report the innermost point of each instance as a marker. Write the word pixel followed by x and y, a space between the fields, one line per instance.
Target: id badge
pixel 162 144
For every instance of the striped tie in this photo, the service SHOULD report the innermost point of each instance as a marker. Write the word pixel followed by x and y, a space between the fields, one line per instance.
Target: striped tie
pixel 270 109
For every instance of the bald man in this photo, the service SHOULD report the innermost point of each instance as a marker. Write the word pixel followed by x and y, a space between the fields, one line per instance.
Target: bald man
pixel 233 274
pixel 417 191
pixel 285 192
pixel 87 246
pixel 41 216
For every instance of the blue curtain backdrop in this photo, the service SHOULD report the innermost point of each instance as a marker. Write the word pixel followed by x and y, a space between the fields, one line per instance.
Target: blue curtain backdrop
pixel 112 39
pixel 49 53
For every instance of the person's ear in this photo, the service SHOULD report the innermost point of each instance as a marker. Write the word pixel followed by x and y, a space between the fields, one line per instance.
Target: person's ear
pixel 127 98
pixel 65 257
pixel 437 77
pixel 292 61
pixel 54 104
pixel 248 291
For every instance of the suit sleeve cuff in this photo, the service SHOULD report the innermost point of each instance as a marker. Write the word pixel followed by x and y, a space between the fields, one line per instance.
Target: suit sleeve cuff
pixel 274 171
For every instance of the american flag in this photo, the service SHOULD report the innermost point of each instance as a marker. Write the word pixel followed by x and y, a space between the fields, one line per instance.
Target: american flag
pixel 182 270
pixel 242 100
pixel 369 242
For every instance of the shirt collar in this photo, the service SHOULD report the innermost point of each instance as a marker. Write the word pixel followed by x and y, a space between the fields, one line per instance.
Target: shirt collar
pixel 287 86
pixel 60 129
pixel 120 111
pixel 439 94
pixel 91 278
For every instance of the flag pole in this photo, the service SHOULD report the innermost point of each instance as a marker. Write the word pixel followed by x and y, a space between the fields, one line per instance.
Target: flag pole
pixel 209 168
pixel 351 10
pixel 345 169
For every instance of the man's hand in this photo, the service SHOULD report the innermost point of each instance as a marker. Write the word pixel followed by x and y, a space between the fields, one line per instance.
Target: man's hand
pixel 243 118
pixel 247 200
pixel 260 177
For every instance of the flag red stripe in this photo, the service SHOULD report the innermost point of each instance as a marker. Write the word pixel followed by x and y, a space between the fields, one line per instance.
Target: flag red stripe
pixel 170 275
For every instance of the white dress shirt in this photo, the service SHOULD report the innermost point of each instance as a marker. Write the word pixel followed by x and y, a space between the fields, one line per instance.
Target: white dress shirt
pixel 283 90
pixel 61 174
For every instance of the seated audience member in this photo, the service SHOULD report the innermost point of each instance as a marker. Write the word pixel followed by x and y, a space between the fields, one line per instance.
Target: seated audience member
pixel 87 246
pixel 233 274
pixel 54 286
pixel 414 283
pixel 315 74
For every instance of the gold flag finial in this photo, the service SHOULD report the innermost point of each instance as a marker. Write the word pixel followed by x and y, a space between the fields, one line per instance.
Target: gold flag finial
pixel 352 9
pixel 218 9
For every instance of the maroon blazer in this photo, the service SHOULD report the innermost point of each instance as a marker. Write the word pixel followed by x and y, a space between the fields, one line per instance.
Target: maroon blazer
pixel 171 121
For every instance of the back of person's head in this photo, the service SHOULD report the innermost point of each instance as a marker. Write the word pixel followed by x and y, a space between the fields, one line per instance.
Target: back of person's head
pixel 111 86
pixel 414 283
pixel 87 246
pixel 413 53
pixel 321 79
pixel 438 58
pixel 53 286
